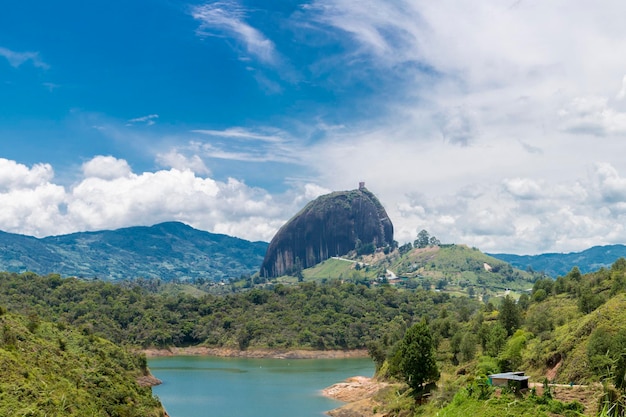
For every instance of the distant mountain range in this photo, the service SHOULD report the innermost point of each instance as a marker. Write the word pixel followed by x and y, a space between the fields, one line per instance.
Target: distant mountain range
pixel 166 251
pixel 174 250
pixel 559 264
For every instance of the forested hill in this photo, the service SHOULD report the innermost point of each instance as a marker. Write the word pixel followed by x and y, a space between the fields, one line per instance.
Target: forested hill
pixel 167 251
pixel 49 369
pixel 559 264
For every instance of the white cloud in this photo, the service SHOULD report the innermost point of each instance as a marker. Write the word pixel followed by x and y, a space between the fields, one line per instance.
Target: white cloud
pixel 106 168
pixel 609 184
pixel 529 90
pixel 499 125
pixel 521 213
pixel 242 133
pixel 228 17
pixel 175 159
pixel 14 175
pixel 110 195
pixel 148 120
pixel 16 59
pixel 240 144
pixel 622 92
pixel 592 115
pixel 523 188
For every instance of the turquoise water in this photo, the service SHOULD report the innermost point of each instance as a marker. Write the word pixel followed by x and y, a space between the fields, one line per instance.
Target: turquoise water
pixel 227 387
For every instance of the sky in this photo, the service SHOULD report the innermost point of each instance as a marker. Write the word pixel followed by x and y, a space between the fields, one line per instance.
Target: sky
pixel 499 124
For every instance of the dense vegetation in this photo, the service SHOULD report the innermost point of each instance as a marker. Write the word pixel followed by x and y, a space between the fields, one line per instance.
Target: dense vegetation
pixel 167 251
pixel 570 329
pixel 334 315
pixel 50 370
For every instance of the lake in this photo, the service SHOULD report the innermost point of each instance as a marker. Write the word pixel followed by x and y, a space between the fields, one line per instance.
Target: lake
pixel 198 386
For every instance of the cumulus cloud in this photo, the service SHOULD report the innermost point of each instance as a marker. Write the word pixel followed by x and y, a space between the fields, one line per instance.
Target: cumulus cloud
pixel 30 202
pixel 523 188
pixel 229 17
pixel 592 115
pixel 106 168
pixel 110 195
pixel 174 159
pixel 521 213
pixel 609 184
pixel 16 176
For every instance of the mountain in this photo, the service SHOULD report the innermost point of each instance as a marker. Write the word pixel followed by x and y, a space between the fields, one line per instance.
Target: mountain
pixel 559 264
pixel 165 251
pixel 331 225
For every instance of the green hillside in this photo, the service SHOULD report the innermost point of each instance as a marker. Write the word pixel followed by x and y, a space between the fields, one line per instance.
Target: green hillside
pixel 50 370
pixel 167 251
pixel 569 330
pixel 454 269
pixel 580 322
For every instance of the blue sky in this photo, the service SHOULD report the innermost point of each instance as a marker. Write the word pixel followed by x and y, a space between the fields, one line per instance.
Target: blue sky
pixel 500 125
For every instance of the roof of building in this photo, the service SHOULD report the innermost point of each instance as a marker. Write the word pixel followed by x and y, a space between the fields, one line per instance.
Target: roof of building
pixel 513 376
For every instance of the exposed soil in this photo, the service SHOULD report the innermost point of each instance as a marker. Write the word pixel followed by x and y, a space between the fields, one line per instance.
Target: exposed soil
pixel 587 395
pixel 358 392
pixel 551 373
pixel 256 353
pixel 148 381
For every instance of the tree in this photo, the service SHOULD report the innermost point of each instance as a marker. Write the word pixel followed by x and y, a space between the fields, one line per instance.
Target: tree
pixel 415 358
pixel 467 349
pixel 496 339
pixel 510 316
pixel 423 238
pixel 523 302
pixel 575 274
pixel 405 248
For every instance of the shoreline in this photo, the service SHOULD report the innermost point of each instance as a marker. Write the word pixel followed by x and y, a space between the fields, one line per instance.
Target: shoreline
pixel 255 353
pixel 357 393
pixel 352 391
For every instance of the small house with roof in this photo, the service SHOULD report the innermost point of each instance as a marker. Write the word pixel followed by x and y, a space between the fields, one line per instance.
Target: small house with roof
pixel 516 380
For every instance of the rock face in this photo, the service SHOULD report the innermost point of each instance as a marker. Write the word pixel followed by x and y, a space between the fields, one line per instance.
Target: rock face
pixel 331 225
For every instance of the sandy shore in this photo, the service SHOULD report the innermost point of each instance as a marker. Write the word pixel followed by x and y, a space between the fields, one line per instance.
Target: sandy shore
pixel 256 353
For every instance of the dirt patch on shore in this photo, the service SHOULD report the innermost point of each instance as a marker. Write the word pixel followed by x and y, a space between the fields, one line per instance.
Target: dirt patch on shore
pixel 255 353
pixel 358 392
pixel 354 389
pixel 148 381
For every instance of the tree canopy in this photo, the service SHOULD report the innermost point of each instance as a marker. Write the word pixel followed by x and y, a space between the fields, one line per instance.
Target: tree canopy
pixel 415 358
